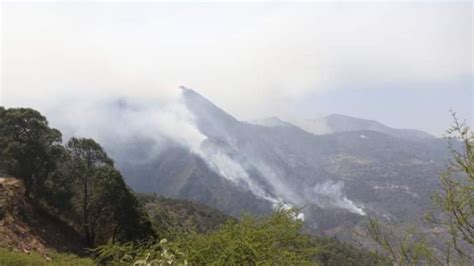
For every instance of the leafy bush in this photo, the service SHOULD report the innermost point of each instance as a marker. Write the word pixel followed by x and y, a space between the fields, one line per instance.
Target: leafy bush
pixel 451 240
pixel 273 239
pixel 150 253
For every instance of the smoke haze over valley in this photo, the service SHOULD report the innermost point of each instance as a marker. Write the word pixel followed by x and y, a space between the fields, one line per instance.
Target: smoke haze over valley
pixel 186 147
pixel 335 109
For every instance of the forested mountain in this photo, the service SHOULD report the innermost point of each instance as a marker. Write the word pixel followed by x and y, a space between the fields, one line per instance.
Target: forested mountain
pixel 70 198
pixel 345 184
pixel 346 175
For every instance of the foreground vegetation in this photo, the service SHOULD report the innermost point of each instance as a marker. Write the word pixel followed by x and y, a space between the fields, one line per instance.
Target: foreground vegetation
pixel 173 218
pixel 451 239
pixel 78 184
pixel 10 257
pixel 273 239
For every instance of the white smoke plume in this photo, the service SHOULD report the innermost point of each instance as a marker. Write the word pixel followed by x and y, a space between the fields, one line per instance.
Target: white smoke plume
pixel 330 194
pixel 156 121
pixel 162 121
pixel 119 122
pixel 233 171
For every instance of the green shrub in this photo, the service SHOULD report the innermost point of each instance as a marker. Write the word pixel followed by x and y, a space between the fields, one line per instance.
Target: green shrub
pixel 150 253
pixel 273 239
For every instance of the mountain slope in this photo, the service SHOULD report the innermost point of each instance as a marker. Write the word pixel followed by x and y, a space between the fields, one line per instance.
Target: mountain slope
pixel 27 228
pixel 172 217
pixel 244 167
pixel 178 173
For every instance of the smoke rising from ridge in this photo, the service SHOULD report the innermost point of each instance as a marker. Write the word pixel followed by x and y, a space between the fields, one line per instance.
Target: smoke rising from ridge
pixel 161 123
pixel 330 193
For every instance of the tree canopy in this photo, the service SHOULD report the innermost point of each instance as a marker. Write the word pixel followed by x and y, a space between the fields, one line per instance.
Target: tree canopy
pixel 77 181
pixel 30 147
pixel 451 239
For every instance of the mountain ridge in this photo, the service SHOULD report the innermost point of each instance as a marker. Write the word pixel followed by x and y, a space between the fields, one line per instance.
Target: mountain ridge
pixel 336 123
pixel 240 166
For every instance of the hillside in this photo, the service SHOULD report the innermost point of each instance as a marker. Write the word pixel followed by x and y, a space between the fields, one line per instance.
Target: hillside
pixel 172 217
pixel 240 167
pixel 31 237
pixel 72 199
pixel 27 228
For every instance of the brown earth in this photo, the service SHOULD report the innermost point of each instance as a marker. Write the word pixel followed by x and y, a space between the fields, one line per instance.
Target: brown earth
pixel 26 227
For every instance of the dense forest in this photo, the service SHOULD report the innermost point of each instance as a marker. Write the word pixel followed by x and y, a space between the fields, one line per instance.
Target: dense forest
pixel 77 183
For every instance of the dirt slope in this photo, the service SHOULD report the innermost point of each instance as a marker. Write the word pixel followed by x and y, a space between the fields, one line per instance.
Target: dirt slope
pixel 25 227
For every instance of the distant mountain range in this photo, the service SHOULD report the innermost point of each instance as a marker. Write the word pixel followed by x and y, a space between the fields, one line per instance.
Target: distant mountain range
pixel 336 123
pixel 338 168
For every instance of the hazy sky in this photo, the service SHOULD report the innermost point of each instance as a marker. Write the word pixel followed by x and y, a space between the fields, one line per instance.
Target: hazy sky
pixel 404 64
